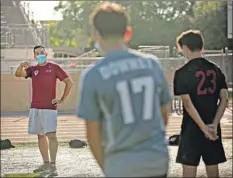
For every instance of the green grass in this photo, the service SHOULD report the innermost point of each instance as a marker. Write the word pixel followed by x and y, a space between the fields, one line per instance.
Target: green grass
pixel 23 175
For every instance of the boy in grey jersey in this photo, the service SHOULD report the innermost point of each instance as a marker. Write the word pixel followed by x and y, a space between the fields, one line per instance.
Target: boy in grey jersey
pixel 124 99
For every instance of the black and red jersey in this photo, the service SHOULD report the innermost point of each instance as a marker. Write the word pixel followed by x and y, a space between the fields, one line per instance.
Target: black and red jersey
pixel 202 80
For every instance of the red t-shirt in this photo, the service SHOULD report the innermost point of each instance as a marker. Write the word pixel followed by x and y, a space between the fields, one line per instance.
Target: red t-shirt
pixel 44 79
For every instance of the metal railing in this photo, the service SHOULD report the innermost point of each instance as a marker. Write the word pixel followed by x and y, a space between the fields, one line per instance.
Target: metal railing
pixel 38 29
pixel 7 40
pixel 23 35
pixel 177 105
pixel 30 25
pixel 70 64
pixel 78 64
pixel 159 51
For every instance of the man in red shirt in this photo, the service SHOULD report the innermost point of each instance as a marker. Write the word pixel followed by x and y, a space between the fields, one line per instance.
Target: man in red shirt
pixel 43 111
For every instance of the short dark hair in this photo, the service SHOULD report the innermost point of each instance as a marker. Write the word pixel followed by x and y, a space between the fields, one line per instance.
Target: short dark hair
pixel 193 39
pixel 38 46
pixel 110 20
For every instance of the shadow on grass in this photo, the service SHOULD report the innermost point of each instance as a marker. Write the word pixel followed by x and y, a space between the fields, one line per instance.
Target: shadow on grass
pixel 31 145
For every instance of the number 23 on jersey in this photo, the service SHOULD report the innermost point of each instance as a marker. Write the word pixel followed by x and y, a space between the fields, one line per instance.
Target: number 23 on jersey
pixel 203 75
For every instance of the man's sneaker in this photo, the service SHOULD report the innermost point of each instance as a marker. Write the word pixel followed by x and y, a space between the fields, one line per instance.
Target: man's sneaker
pixel 53 170
pixel 45 168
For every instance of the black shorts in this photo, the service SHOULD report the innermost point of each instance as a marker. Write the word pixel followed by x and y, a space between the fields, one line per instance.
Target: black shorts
pixel 193 145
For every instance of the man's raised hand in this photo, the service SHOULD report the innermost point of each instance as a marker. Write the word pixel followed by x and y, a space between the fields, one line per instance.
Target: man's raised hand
pixel 25 64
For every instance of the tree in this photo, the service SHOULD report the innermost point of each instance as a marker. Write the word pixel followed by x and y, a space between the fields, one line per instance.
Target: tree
pixel 153 22
pixel 60 35
pixel 158 22
pixel 211 19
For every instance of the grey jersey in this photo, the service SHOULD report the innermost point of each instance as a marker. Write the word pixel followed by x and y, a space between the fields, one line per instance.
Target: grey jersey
pixel 124 92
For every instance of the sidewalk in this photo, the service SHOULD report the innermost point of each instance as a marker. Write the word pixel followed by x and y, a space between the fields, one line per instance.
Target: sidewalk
pixel 70 127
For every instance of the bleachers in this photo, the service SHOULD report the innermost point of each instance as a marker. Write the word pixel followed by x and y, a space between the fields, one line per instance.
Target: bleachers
pixel 7 3
pixel 15 27
pixel 6 37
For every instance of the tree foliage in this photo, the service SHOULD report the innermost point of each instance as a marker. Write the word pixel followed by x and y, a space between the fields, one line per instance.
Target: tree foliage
pixel 60 37
pixel 157 22
pixel 211 19
pixel 153 22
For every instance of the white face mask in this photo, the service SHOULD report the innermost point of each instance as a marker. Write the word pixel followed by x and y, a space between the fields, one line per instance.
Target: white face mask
pixel 98 48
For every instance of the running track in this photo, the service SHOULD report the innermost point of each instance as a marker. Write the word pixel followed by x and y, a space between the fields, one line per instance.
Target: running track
pixel 69 127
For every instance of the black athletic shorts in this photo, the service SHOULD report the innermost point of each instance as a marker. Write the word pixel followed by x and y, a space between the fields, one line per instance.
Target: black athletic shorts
pixel 193 145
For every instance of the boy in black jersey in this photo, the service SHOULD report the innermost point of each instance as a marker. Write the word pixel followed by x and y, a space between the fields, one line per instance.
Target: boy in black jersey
pixel 203 90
